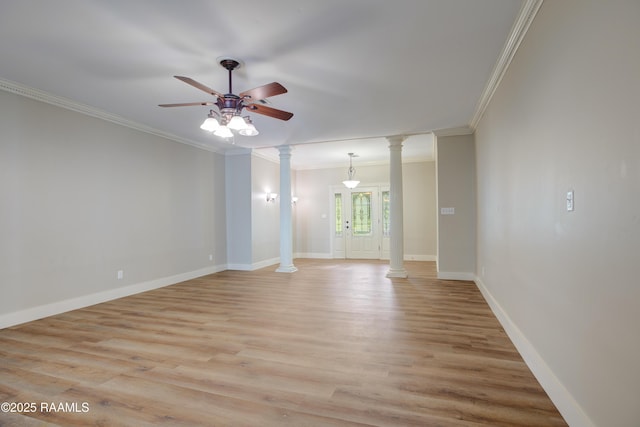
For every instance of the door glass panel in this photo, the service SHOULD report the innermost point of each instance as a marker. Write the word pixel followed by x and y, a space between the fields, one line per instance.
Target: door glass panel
pixel 361 213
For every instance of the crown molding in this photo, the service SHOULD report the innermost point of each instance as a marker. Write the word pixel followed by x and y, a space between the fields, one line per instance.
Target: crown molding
pixel 462 130
pixel 341 165
pixel 273 156
pixel 238 151
pixel 59 101
pixel 518 31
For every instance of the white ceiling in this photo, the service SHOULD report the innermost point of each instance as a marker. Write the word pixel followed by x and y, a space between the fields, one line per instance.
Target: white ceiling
pixel 356 70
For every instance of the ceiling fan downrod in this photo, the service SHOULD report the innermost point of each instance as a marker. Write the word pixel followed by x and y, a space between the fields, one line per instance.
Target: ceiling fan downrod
pixel 230 65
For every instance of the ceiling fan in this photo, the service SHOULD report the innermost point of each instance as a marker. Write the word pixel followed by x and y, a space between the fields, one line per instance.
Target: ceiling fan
pixel 230 105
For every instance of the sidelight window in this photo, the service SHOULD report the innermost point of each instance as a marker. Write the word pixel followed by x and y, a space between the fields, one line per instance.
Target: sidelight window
pixel 386 208
pixel 338 206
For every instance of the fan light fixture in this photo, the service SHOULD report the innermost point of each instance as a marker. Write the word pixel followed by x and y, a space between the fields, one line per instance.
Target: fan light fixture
pixel 223 132
pixel 210 124
pixel 237 123
pixel 250 129
pixel 230 106
pixel 351 183
pixel 223 126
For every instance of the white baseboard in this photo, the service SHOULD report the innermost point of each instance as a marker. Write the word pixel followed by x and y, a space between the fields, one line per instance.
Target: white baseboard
pixel 265 263
pixel 314 255
pixel 452 275
pixel 559 395
pixel 321 255
pixel 420 258
pixel 241 267
pixel 46 310
pixel 255 266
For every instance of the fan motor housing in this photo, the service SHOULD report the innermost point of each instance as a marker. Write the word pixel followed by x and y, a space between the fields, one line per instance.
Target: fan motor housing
pixel 230 103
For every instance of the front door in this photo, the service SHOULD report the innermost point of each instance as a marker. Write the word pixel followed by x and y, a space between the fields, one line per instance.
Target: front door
pixel 356 229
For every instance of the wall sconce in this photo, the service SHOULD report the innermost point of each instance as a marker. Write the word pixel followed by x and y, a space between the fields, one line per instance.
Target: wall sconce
pixel 271 197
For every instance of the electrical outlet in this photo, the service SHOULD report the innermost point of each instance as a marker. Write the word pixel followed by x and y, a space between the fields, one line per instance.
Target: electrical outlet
pixel 447 211
pixel 210 257
pixel 120 274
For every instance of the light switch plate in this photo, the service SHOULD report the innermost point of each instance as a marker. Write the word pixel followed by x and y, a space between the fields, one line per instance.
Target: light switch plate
pixel 570 201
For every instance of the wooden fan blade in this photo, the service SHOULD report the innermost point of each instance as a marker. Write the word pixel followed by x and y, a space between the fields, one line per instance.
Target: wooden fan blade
pixel 265 91
pixel 269 111
pixel 186 104
pixel 198 85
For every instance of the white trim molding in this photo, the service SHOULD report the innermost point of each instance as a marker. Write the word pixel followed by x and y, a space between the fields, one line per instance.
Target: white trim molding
pixel 265 263
pixel 238 151
pixel 240 267
pixel 455 275
pixel 46 310
pixel 572 412
pixel 518 31
pixel 58 101
pixel 419 257
pixel 313 255
pixel 322 255
pixel 462 130
pixel 254 266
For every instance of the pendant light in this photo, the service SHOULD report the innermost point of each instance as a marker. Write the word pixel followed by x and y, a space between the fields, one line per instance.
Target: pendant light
pixel 351 183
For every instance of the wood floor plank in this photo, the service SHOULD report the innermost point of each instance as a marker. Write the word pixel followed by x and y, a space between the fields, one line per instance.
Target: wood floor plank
pixel 334 344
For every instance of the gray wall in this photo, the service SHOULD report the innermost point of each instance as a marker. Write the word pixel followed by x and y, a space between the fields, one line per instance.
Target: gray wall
pixel 265 215
pixel 238 207
pixel 419 188
pixel 253 225
pixel 82 198
pixel 567 116
pixel 456 189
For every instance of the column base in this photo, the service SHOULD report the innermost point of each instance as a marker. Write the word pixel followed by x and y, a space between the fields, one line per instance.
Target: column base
pixel 286 269
pixel 397 273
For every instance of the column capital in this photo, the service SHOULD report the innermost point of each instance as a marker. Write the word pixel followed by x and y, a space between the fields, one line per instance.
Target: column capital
pixel 285 150
pixel 396 140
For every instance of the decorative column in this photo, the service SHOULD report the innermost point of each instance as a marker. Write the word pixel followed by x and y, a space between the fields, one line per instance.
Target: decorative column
pixel 286 228
pixel 396 267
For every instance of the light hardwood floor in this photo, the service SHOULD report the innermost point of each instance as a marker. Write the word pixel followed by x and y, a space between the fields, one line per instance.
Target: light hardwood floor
pixel 334 344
